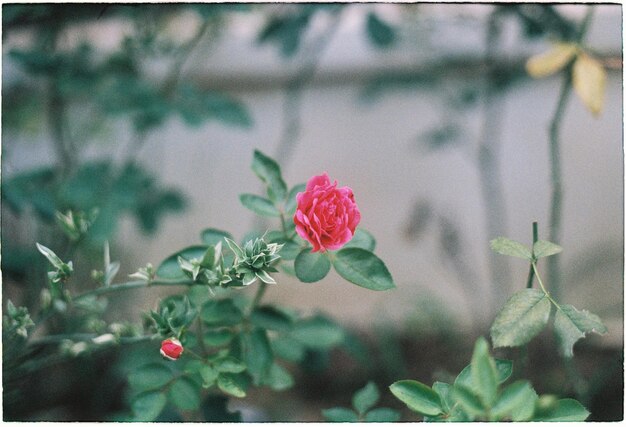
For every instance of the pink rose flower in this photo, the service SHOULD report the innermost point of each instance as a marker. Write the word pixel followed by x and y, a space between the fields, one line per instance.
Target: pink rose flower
pixel 171 349
pixel 326 216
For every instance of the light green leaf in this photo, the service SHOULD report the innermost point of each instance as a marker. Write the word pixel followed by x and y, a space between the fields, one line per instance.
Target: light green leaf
pixel 382 415
pixel 233 384
pixel 147 406
pixel 484 374
pixel 504 369
pixel 318 332
pixel 212 236
pixel 570 325
pixel 51 256
pixel 278 378
pixel 516 402
pixel 523 316
pixel 361 239
pixel 417 396
pixel 209 375
pixel 340 415
pixel 184 394
pixel 170 269
pixel 543 248
pixel 363 268
pixel 589 80
pixel 269 172
pixel 465 397
pixel 311 266
pixel 259 205
pixel 365 398
pixel 550 62
pixel 505 246
pixel 150 377
pixel 562 410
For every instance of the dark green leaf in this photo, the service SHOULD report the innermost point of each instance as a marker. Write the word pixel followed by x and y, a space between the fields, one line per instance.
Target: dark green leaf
pixel 363 268
pixel 365 398
pixel 570 325
pixel 278 378
pixel 184 394
pixel 150 377
pixel 290 250
pixel 259 205
pixel 379 32
pixel 268 317
pixel 288 348
pixel 417 396
pixel 311 266
pixel 221 313
pixel 230 364
pixel 218 338
pixel 215 409
pixel 212 236
pixel 169 268
pixel 382 415
pixel 523 316
pixel 340 415
pixel 318 332
pixel 147 406
pixel 257 354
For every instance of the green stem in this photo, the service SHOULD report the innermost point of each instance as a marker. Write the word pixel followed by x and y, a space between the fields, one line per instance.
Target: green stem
pixel 257 298
pixel 133 285
pixel 54 339
pixel 529 282
pixel 534 266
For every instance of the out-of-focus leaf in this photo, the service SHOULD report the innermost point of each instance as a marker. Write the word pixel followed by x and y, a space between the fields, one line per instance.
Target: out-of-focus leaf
pixel 552 61
pixel 589 80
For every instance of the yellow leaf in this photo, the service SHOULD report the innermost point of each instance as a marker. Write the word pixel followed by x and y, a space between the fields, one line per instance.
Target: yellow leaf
pixel 589 80
pixel 550 62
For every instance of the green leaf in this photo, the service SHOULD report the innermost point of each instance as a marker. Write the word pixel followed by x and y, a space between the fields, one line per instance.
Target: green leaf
pixel 504 369
pixel 543 248
pixel 51 256
pixel 212 236
pixel 570 325
pixel 147 406
pixel 170 269
pixel 562 410
pixel 209 375
pixel 184 394
pixel 259 205
pixel 311 266
pixel 363 268
pixel 290 250
pixel 517 402
pixel 229 364
pixel 269 172
pixel 484 374
pixel 361 239
pixel 218 338
pixel 318 332
pixel 365 398
pixel 221 313
pixel 467 399
pixel 340 415
pixel 505 246
pixel 257 354
pixel 417 396
pixel 288 348
pixel 233 384
pixel 269 317
pixel 379 32
pixel 150 377
pixel 523 316
pixel 291 204
pixel 278 378
pixel 382 415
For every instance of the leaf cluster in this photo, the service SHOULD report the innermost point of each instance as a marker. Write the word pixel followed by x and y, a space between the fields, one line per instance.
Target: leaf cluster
pixel 479 394
pixel 363 410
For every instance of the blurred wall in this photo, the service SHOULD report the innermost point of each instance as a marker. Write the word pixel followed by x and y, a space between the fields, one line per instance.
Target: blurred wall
pixel 375 144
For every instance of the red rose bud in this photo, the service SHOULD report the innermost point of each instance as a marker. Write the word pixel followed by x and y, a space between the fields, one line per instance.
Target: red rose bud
pixel 326 215
pixel 171 349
